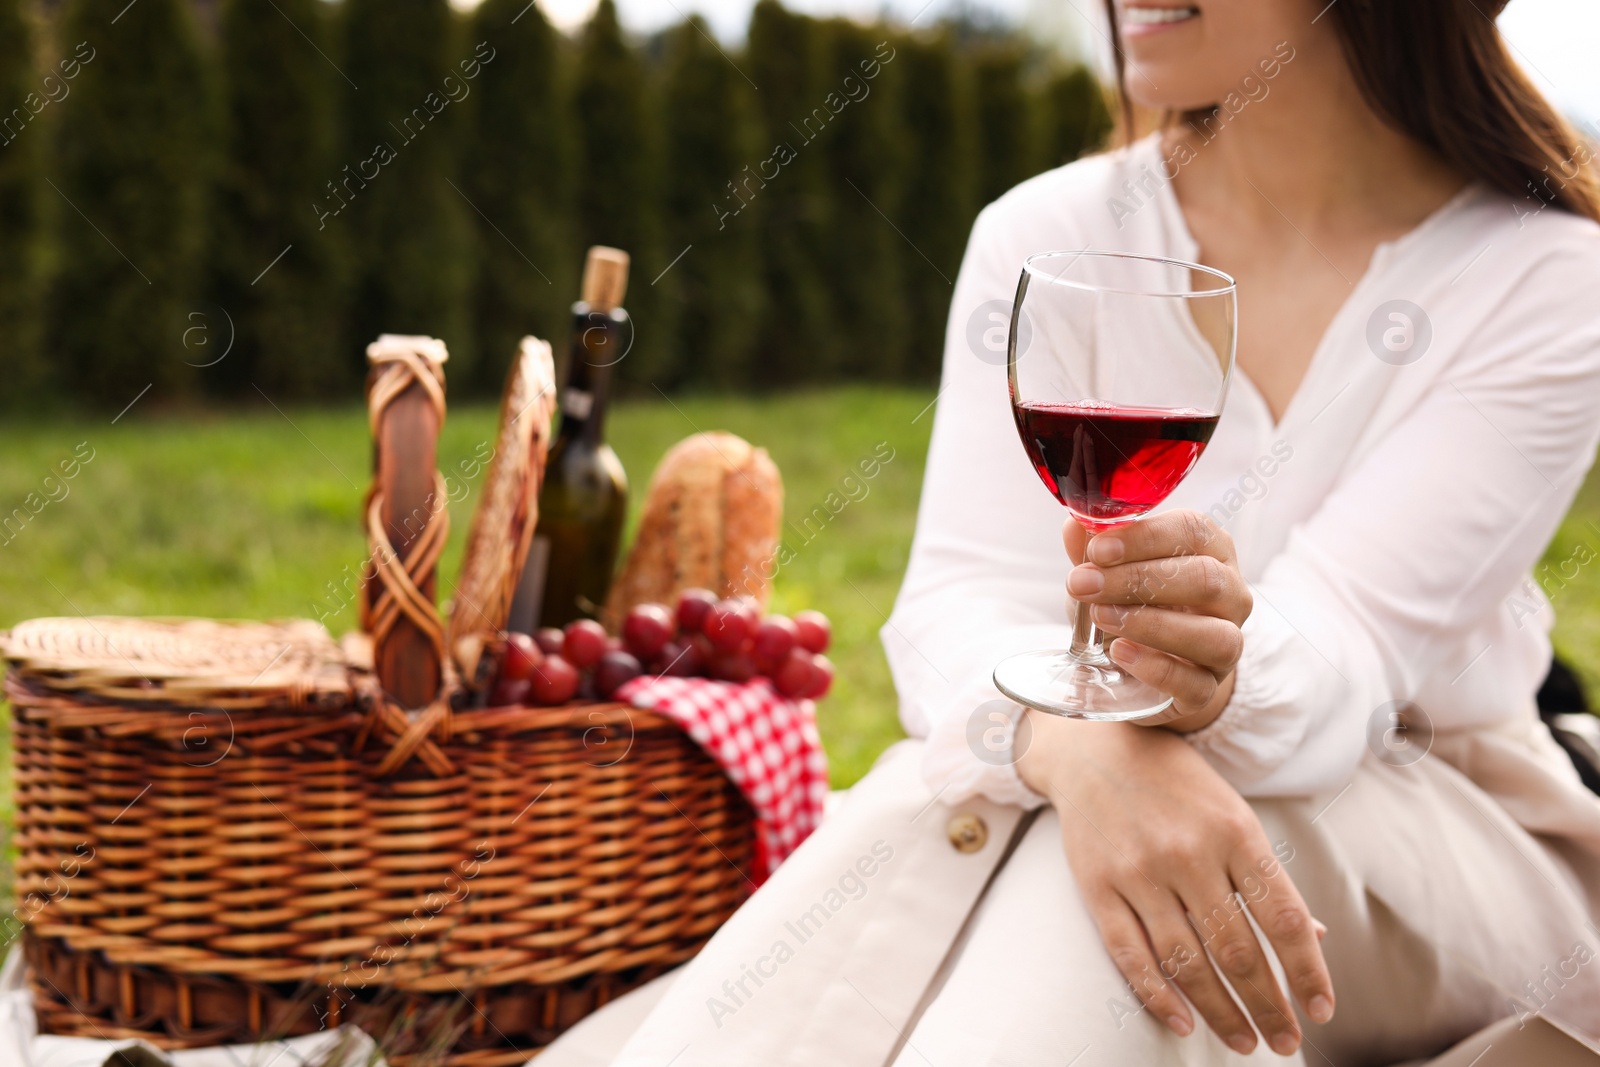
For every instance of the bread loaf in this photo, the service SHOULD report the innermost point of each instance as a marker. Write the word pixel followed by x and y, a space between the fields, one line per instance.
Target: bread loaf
pixel 710 520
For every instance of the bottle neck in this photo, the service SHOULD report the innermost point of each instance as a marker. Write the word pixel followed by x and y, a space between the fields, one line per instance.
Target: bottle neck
pixel 598 342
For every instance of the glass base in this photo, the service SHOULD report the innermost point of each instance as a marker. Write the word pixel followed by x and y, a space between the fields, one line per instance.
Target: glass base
pixel 1060 683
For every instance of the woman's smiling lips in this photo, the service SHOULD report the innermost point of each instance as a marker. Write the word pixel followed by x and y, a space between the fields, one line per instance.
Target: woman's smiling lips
pixel 1138 20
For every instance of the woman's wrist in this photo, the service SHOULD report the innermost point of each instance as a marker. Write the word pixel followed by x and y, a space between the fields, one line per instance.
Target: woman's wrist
pixel 1049 751
pixel 1062 751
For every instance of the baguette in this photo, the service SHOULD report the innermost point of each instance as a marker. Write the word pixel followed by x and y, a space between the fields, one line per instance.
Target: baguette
pixel 508 509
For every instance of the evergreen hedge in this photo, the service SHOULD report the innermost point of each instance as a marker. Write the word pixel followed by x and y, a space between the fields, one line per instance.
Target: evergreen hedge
pixel 796 207
pixel 519 173
pixel 869 254
pixel 940 194
pixel 1076 121
pixel 408 221
pixel 132 166
pixel 787 57
pixel 710 144
pixel 21 148
pixel 1006 115
pixel 280 273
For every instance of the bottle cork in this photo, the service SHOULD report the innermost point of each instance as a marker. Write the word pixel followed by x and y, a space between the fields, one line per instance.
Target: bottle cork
pixel 605 278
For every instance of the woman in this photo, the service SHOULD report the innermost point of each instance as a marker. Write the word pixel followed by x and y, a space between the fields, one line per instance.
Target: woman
pixel 1352 832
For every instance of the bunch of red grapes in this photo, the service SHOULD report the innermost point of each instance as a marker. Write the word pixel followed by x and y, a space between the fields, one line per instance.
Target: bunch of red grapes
pixel 705 637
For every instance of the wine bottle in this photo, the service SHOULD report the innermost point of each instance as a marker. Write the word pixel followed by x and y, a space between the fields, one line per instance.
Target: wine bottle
pixel 585 496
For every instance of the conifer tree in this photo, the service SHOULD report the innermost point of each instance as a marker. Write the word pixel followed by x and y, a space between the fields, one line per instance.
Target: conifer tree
pixel 711 172
pixel 1076 118
pixel 131 169
pixel 278 270
pixel 786 56
pixel 519 175
pixel 1004 118
pixel 618 202
pixel 610 112
pixel 21 147
pixel 399 197
pixel 868 248
pixel 940 191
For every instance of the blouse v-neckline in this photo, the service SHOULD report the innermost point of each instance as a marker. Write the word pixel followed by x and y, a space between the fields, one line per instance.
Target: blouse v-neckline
pixel 1383 254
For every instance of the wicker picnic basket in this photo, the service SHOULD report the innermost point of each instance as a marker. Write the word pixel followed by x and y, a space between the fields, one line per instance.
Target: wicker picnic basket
pixel 233 831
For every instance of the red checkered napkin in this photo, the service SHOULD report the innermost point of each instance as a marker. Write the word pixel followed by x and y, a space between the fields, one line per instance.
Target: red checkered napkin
pixel 767 744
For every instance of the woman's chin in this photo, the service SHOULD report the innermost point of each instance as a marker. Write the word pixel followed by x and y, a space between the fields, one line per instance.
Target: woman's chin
pixel 1172 84
pixel 1167 99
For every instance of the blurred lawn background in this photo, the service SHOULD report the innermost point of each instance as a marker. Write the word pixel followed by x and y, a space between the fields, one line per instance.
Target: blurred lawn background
pixel 254 513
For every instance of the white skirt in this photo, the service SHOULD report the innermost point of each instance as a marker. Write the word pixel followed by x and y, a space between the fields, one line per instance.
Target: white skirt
pixel 1457 891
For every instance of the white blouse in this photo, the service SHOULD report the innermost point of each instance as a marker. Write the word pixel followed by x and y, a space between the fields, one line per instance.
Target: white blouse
pixel 1388 524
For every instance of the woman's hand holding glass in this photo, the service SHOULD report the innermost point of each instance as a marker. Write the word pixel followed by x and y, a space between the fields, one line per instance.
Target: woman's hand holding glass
pixel 1168 589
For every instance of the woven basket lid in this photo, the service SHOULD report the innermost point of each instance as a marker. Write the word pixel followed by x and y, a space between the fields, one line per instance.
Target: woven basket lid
pixel 190 662
pixel 508 509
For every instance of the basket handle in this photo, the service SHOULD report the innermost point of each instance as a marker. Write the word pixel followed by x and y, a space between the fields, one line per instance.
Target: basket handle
pixel 407 524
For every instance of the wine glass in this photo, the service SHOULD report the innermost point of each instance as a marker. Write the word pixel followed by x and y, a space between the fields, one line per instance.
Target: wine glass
pixel 1118 366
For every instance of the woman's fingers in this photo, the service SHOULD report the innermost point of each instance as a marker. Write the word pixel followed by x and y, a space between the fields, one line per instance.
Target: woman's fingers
pixel 1076 540
pixel 1124 936
pixel 1201 582
pixel 1295 935
pixel 1219 916
pixel 1214 644
pixel 1172 533
pixel 1183 960
pixel 1189 686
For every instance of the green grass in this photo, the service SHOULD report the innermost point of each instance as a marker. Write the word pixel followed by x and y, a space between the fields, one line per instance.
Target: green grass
pixel 1570 575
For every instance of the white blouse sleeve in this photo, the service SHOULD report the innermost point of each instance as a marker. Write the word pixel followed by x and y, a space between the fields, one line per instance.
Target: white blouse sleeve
pixel 974 590
pixel 1414 564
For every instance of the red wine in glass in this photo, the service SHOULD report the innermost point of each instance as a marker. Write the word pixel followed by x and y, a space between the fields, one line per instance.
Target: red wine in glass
pixel 1118 365
pixel 1111 464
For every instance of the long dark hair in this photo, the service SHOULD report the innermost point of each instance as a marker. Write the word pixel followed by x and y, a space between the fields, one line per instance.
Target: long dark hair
pixel 1439 72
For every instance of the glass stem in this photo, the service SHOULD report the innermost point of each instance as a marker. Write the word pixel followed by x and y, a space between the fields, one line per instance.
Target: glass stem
pixel 1087 642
